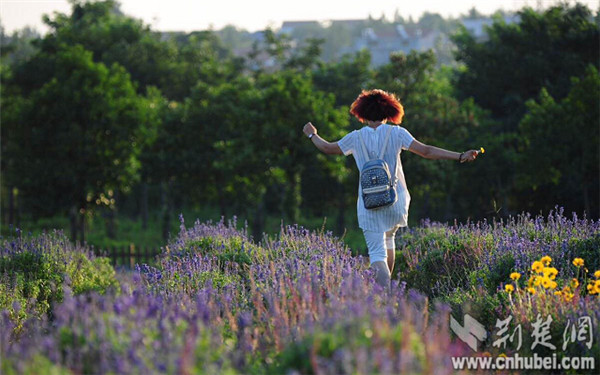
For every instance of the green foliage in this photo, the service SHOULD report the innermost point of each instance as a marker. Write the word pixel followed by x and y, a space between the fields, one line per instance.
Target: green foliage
pixel 33 275
pixel 86 118
pixel 231 249
pixel 543 50
pixel 540 53
pixel 482 305
pixel 436 262
pixel 345 340
pixel 90 275
pixel 38 364
pixel 560 147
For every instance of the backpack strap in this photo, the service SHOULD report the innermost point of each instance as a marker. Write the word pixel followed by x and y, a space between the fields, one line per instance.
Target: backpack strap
pixel 385 143
pixel 364 148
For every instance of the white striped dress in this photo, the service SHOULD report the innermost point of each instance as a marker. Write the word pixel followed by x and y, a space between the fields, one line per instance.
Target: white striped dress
pixel 383 219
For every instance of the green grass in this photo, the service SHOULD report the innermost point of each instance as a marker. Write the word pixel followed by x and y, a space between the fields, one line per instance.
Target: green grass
pixel 129 230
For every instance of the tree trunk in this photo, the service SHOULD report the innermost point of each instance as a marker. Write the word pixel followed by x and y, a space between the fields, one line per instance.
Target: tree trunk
pixel 11 206
pixel 586 200
pixel 341 216
pixel 258 224
pixel 166 210
pixel 74 225
pixel 144 205
pixel 221 195
pixel 111 228
pixel 82 214
pixel 292 197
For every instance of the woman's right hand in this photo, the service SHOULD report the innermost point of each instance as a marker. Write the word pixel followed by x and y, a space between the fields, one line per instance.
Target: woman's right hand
pixel 469 156
pixel 309 129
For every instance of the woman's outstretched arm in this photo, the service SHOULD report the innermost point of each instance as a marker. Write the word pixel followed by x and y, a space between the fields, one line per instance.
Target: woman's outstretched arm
pixel 431 152
pixel 330 148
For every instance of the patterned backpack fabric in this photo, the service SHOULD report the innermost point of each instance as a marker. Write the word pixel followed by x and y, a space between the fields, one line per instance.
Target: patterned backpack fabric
pixel 378 186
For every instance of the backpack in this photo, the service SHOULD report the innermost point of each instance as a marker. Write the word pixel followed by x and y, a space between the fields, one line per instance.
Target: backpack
pixel 378 187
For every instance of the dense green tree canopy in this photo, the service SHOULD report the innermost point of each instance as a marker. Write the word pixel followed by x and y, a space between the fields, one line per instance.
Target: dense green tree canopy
pixel 76 137
pixel 517 60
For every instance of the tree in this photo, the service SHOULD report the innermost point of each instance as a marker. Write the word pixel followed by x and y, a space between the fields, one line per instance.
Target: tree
pixel 173 65
pixel 78 135
pixel 542 50
pixel 561 147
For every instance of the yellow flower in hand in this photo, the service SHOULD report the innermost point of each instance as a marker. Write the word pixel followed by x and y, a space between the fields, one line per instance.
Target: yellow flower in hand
pixel 578 262
pixel 515 276
pixel 537 266
pixel 482 150
pixel 509 288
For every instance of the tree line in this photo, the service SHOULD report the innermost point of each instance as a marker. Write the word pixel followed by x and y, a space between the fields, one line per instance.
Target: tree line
pixel 103 114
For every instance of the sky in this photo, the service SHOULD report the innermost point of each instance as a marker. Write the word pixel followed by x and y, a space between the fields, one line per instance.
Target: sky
pixel 254 15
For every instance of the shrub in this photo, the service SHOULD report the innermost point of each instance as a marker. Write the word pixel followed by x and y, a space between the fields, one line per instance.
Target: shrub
pixel 35 270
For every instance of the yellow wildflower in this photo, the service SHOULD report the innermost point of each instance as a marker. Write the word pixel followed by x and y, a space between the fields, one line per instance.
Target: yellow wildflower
pixel 553 284
pixel 509 288
pixel 546 282
pixel 568 296
pixel 550 272
pixel 558 293
pixel 534 281
pixel 574 283
pixel 591 289
pixel 537 266
pixel 515 276
pixel 597 286
pixel 546 260
pixel 578 262
pixel 597 274
pixel 531 290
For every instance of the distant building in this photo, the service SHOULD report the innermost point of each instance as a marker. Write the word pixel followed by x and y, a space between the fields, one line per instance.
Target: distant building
pixel 477 26
pixel 348 23
pixel 289 26
pixel 382 43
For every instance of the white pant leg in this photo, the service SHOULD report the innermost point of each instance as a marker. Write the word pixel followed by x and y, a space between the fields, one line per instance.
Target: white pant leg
pixel 376 246
pixel 390 237
pixel 378 243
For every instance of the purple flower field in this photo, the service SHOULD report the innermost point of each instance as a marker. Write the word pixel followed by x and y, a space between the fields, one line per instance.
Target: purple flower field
pixel 297 303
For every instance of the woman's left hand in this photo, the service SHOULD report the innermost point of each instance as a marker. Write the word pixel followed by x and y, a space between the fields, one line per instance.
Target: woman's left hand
pixel 309 129
pixel 469 156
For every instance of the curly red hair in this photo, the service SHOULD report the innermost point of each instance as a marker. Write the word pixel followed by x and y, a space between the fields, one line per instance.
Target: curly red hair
pixel 377 105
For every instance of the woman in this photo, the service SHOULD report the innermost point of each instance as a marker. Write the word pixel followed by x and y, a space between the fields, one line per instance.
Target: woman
pixel 376 108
